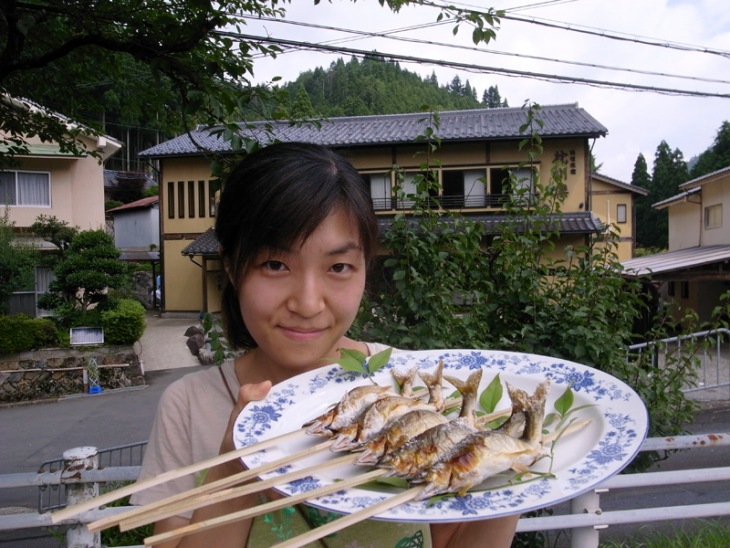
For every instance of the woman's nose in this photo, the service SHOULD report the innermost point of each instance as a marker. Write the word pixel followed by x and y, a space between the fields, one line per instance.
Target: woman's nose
pixel 307 297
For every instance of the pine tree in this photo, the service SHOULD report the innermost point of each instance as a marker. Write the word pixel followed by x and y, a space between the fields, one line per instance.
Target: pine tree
pixel 717 156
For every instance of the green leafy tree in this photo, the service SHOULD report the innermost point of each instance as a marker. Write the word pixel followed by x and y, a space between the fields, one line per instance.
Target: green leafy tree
pixel 17 262
pixel 89 270
pixel 717 156
pixel 186 61
pixel 55 231
pixel 640 177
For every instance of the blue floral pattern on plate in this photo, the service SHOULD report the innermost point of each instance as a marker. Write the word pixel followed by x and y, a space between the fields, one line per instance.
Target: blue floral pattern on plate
pixel 617 428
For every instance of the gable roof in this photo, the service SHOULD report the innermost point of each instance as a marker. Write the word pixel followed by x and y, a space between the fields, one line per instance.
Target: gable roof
pixel 393 129
pixel 620 184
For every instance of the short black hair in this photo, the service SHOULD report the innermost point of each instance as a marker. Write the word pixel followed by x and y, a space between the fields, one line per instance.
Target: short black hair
pixel 276 197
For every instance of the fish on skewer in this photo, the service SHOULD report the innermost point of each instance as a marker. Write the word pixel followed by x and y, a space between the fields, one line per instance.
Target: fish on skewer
pixel 374 419
pixel 405 381
pixel 484 454
pixel 399 432
pixel 349 408
pixel 428 447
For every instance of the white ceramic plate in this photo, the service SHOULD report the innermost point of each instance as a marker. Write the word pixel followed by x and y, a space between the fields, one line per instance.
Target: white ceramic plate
pixel 617 428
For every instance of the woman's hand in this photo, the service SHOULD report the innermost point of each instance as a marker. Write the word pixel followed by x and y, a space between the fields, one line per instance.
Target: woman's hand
pixel 246 394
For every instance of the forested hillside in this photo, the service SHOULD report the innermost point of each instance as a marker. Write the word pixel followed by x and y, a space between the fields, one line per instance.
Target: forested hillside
pixel 378 86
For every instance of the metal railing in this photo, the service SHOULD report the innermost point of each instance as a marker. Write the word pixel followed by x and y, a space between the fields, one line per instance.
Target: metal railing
pixel 586 518
pixel 713 380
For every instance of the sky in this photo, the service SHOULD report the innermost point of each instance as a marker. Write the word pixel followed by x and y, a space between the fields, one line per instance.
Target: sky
pixel 574 39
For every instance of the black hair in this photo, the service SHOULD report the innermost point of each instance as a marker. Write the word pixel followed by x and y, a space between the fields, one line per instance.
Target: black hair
pixel 276 197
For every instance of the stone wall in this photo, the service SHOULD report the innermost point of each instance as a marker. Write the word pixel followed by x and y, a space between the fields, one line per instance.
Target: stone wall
pixel 54 372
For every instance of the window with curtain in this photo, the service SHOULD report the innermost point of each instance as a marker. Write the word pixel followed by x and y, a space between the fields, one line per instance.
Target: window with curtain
pixel 25 188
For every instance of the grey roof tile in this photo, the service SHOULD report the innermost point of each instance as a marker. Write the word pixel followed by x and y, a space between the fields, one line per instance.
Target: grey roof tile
pixel 567 223
pixel 391 129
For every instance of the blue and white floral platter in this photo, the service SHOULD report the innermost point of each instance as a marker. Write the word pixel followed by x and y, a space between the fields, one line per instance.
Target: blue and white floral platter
pixel 617 428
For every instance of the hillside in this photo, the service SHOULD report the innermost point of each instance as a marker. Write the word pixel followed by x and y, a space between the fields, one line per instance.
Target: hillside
pixel 378 86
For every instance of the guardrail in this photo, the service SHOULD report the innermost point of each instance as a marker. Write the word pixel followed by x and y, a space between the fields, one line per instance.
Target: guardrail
pixel 81 477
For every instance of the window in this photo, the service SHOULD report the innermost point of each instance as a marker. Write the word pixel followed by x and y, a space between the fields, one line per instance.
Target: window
pixel 25 188
pixel 671 290
pixel 181 199
pixel 463 188
pixel 24 301
pixel 713 216
pixel 214 196
pixel 684 290
pixel 170 200
pixel 621 213
pixel 191 199
pixel 201 199
pixel 511 182
pixel 380 190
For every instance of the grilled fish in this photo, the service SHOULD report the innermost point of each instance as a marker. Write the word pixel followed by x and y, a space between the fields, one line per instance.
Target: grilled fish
pixel 484 454
pixel 347 411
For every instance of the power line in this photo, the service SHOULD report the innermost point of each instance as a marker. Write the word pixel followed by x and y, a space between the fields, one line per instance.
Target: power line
pixel 473 67
pixel 387 35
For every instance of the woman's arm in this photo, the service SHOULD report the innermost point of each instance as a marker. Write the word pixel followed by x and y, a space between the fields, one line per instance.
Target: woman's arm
pixel 233 535
pixel 491 533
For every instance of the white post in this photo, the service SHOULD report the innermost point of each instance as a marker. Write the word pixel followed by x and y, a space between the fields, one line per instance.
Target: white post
pixel 587 503
pixel 80 458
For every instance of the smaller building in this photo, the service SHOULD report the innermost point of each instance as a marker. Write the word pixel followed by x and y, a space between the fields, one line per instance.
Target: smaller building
pixel 695 272
pixel 137 224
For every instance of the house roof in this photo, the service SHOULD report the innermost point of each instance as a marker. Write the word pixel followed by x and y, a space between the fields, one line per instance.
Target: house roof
pixel 393 129
pixel 620 184
pixel 144 203
pixel 566 223
pixel 673 261
pixel 693 186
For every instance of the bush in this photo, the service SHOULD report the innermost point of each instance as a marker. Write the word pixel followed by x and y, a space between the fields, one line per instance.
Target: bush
pixel 123 324
pixel 21 333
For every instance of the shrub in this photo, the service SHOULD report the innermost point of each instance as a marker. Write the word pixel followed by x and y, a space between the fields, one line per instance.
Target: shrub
pixel 123 324
pixel 21 333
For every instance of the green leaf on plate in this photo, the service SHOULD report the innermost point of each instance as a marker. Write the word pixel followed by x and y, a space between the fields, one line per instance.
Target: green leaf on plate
pixel 489 399
pixel 565 402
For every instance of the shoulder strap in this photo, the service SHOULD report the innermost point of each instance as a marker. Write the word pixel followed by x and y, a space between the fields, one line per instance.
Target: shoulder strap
pixel 225 383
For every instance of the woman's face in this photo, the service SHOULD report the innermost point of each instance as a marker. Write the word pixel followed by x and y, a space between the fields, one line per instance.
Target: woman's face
pixel 298 303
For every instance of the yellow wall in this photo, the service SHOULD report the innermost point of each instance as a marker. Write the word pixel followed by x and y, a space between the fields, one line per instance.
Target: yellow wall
pixel 717 192
pixel 605 199
pixel 685 225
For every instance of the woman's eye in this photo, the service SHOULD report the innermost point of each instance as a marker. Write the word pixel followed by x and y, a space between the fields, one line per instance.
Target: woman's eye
pixel 340 268
pixel 275 265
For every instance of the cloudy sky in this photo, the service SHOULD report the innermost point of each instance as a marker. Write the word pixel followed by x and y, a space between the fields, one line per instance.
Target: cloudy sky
pixel 667 45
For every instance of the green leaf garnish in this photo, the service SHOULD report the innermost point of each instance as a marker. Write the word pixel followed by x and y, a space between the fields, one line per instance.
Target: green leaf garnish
pixel 564 402
pixel 379 360
pixel 357 362
pixel 489 399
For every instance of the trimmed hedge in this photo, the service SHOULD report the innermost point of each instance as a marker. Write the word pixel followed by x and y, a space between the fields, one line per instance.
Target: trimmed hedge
pixel 21 333
pixel 125 323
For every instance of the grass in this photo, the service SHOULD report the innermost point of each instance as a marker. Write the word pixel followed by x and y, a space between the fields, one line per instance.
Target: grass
pixel 710 534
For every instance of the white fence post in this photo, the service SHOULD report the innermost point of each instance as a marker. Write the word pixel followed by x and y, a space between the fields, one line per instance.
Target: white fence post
pixel 587 503
pixel 75 460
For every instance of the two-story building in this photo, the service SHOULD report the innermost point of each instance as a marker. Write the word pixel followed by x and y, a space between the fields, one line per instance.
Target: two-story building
pixel 47 181
pixel 696 269
pixel 479 151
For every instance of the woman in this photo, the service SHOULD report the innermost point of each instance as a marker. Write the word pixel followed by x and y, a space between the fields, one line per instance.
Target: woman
pixel 297 232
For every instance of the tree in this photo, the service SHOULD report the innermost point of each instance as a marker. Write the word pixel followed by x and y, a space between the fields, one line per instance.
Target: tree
pixel 185 58
pixel 90 268
pixel 717 156
pixel 669 171
pixel 17 262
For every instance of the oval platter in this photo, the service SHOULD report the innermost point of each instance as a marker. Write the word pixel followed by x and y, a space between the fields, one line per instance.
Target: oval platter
pixel 616 427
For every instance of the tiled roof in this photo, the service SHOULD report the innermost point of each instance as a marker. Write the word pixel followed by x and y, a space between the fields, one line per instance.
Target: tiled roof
pixel 206 245
pixel 567 223
pixel 391 129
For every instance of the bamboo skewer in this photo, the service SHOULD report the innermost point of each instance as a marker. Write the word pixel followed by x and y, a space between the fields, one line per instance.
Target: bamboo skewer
pixel 111 496
pixel 193 503
pixel 351 519
pixel 209 487
pixel 263 508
